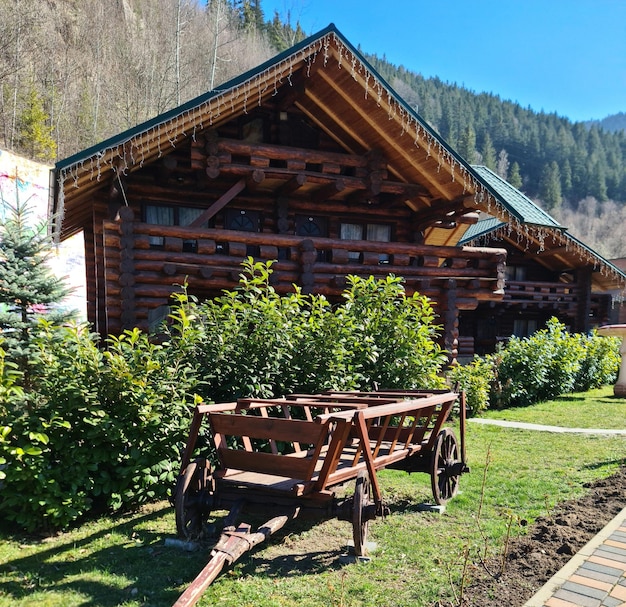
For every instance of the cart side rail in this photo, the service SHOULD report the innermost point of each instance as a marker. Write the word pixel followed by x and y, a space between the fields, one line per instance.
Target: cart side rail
pixel 384 434
pixel 234 435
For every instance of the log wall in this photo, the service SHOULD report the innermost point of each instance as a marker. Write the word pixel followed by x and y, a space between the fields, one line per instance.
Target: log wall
pixel 139 278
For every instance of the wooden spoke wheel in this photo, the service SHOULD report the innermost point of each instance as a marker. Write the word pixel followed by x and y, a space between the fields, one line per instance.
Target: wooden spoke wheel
pixel 193 494
pixel 360 513
pixel 445 471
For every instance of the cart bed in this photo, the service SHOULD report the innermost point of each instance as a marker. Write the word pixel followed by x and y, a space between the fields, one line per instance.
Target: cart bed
pixel 340 435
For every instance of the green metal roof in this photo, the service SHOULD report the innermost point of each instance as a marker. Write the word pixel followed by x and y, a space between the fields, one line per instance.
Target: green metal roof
pixel 526 209
pixel 522 206
pixel 480 228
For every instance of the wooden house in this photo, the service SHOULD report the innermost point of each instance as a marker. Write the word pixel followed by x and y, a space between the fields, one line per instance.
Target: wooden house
pixel 312 160
pixel 549 273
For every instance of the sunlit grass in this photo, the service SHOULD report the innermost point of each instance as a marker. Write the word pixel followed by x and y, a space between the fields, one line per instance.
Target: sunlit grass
pixel 594 409
pixel 419 558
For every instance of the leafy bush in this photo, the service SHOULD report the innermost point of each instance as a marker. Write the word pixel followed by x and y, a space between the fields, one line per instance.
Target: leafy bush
pixel 475 378
pixel 392 335
pixel 529 370
pixel 253 342
pixel 538 367
pixel 104 428
pixel 104 433
pixel 600 364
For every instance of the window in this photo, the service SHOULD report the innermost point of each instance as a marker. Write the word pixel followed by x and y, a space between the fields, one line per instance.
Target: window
pixel 370 231
pixel 243 221
pixel 172 216
pixel 524 327
pixel 515 273
pixel 311 226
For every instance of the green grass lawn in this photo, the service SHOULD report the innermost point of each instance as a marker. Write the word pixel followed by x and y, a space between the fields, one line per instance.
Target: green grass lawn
pixel 597 408
pixel 516 474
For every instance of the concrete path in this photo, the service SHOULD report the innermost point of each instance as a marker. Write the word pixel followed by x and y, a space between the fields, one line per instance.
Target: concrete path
pixel 541 428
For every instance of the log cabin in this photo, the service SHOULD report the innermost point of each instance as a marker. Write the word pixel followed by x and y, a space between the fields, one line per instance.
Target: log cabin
pixel 310 159
pixel 550 273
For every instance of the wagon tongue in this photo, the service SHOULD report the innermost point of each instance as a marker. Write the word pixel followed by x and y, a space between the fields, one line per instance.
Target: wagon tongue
pixel 230 547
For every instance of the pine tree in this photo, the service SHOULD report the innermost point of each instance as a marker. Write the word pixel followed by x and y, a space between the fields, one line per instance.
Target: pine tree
pixel 35 134
pixel 515 177
pixel 488 153
pixel 467 144
pixel 550 186
pixel 28 288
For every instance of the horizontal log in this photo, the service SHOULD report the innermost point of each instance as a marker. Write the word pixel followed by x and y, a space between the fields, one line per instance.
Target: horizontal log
pixel 276 152
pixel 404 271
pixel 409 190
pixel 204 260
pixel 286 240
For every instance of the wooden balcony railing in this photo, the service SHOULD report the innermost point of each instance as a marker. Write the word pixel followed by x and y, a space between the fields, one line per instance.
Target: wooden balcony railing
pixel 541 294
pixel 144 263
pixel 563 299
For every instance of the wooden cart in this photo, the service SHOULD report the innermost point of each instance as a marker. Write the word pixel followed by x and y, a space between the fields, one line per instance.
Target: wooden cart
pixel 286 456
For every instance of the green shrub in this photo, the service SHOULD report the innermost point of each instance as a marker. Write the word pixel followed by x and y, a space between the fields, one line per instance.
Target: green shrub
pixel 600 363
pixel 253 342
pixel 475 378
pixel 391 339
pixel 538 367
pixel 105 431
pixel 104 427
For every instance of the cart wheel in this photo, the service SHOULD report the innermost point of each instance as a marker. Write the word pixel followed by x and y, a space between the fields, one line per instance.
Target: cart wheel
pixel 444 476
pixel 193 487
pixel 360 518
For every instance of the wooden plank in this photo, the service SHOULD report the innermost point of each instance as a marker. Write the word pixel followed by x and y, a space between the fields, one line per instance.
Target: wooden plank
pixel 266 463
pixel 267 428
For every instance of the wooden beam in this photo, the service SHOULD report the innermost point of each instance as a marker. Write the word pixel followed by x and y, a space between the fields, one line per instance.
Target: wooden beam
pixel 219 204
pixel 329 190
pixel 255 179
pixel 293 184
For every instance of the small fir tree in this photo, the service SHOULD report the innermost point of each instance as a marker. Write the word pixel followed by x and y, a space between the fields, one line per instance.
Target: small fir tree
pixel 550 186
pixel 467 144
pixel 28 287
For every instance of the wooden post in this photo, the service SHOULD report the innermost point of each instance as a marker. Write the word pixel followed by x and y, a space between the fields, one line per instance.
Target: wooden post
pixel 583 309
pixel 308 255
pixel 450 313
pixel 127 269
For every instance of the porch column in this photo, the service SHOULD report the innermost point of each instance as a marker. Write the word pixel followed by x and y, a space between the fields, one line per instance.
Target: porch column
pixel 450 315
pixel 583 311
pixel 128 317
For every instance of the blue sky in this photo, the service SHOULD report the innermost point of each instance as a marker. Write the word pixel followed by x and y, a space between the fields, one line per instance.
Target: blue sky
pixel 563 56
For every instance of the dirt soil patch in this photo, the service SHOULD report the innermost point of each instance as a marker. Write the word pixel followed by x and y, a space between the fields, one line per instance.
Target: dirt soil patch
pixel 551 542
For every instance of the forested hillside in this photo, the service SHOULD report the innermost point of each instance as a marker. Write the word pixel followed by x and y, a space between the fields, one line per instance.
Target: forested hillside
pixel 74 73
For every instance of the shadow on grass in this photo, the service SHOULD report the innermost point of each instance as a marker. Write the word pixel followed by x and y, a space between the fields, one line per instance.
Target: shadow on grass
pixel 609 398
pixel 293 565
pixel 78 567
pixel 136 566
pixel 603 464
